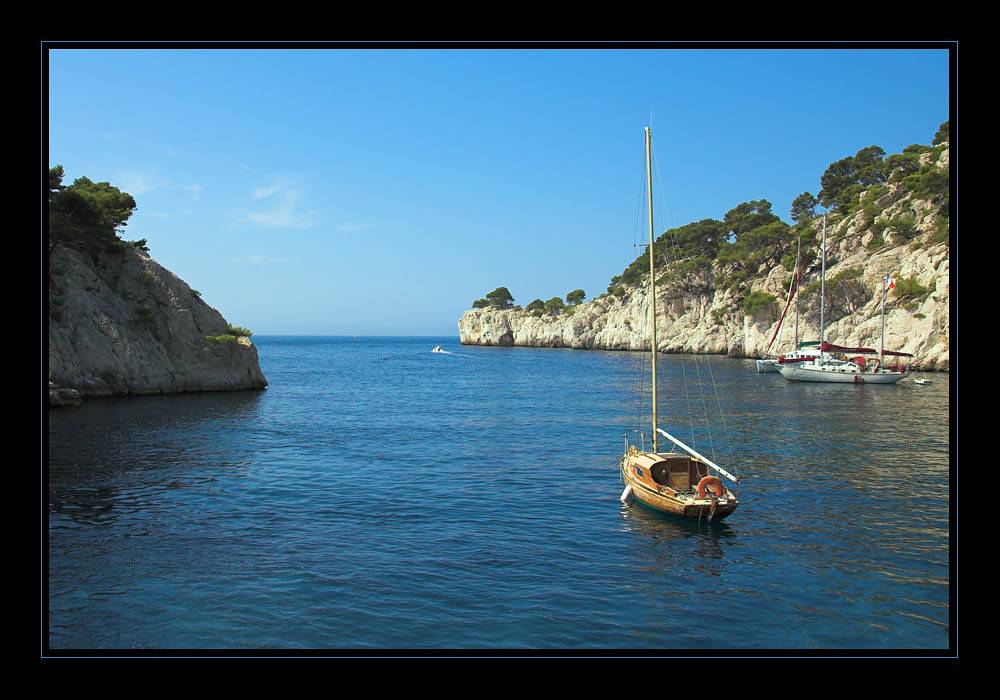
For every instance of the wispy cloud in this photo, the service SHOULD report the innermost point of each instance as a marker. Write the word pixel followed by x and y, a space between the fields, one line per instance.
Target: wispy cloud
pixel 271 190
pixel 282 207
pixel 137 183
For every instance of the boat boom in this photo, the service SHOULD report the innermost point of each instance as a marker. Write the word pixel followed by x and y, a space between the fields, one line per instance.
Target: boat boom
pixel 694 453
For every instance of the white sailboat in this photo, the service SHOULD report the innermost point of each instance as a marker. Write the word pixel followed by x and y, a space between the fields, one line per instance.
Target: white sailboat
pixel 688 484
pixel 854 371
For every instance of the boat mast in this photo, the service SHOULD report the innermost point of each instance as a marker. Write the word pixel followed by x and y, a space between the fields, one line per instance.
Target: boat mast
pixel 881 349
pixel 798 279
pixel 822 295
pixel 652 274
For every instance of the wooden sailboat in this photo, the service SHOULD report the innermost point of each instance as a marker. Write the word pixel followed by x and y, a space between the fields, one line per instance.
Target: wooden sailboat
pixel 684 484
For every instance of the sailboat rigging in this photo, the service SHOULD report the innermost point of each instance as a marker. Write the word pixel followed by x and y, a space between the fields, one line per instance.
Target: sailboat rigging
pixel 855 371
pixel 806 351
pixel 769 364
pixel 688 484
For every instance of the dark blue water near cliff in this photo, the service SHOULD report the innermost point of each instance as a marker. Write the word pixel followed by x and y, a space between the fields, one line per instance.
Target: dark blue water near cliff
pixel 380 496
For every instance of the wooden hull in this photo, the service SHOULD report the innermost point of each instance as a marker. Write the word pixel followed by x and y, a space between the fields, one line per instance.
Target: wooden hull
pixel 664 500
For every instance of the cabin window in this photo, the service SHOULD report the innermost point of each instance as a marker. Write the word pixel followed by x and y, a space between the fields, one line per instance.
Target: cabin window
pixel 638 472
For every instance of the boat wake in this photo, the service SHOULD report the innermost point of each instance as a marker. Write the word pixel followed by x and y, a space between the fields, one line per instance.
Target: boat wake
pixel 438 351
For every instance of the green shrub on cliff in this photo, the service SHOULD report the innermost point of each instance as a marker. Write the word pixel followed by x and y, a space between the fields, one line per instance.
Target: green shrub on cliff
pixel 941 231
pixel 910 288
pixel 232 334
pixel 758 302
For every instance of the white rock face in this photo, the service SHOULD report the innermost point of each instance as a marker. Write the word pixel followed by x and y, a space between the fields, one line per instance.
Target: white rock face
pixel 126 325
pixel 714 322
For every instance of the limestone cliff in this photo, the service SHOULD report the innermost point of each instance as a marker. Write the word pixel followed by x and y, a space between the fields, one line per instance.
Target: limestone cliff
pixel 119 324
pixel 695 317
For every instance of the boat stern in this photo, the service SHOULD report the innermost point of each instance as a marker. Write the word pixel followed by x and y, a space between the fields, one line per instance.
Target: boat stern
pixel 668 483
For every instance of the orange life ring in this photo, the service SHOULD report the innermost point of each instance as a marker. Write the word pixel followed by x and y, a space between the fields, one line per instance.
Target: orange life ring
pixel 711 481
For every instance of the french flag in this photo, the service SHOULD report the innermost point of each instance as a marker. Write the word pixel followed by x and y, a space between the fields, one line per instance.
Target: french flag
pixel 889 282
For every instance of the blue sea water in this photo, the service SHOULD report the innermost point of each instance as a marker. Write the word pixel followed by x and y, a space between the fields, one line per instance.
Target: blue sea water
pixel 378 496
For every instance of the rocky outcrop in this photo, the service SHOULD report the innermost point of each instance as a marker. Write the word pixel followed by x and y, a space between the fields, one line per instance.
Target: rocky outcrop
pixel 697 318
pixel 120 323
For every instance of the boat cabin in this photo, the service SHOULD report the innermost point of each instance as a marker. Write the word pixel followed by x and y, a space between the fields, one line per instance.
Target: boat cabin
pixel 677 472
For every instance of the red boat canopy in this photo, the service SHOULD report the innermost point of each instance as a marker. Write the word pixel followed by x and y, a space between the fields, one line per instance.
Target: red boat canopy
pixel 828 347
pixel 897 354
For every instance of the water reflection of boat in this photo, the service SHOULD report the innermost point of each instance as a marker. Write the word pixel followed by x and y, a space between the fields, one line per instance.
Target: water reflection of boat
pixel 706 539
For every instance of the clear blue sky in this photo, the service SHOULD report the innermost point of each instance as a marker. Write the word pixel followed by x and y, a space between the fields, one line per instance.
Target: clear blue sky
pixel 380 191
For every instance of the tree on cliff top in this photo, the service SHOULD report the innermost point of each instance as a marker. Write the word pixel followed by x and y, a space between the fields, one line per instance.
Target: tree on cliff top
pixel 86 213
pixel 757 238
pixel 748 216
pixel 943 133
pixel 804 207
pixel 500 297
pixel 848 177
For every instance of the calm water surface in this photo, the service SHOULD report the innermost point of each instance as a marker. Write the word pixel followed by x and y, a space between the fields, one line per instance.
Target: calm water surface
pixel 380 496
